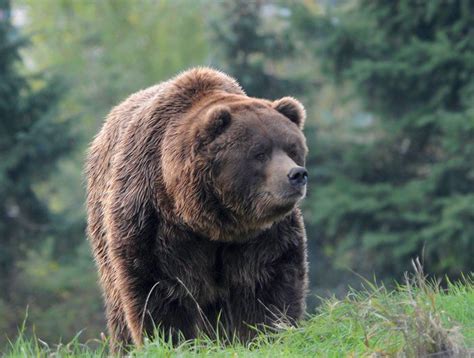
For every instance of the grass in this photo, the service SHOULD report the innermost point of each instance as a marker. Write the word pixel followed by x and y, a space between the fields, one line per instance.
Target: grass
pixel 416 319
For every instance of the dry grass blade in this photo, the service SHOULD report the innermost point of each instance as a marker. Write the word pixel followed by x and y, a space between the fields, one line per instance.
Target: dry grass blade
pixel 422 326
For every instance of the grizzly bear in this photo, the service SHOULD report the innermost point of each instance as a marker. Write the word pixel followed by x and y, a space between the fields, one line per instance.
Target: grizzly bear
pixel 192 196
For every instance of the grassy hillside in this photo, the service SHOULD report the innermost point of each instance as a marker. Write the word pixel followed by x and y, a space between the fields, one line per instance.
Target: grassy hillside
pixel 416 319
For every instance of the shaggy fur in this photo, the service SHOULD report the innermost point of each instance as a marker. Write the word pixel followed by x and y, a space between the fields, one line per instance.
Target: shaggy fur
pixel 185 225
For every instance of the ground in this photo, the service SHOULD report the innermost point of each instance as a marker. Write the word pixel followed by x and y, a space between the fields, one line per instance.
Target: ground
pixel 416 319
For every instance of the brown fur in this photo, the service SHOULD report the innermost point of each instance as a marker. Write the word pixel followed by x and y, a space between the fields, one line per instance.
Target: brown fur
pixel 184 228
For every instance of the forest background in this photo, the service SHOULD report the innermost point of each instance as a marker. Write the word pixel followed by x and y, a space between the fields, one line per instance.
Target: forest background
pixel 389 91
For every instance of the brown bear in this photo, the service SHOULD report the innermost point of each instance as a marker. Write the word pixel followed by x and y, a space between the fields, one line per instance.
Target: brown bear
pixel 193 191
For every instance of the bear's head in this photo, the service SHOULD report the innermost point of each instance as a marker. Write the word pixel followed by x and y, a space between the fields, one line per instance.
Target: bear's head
pixel 234 165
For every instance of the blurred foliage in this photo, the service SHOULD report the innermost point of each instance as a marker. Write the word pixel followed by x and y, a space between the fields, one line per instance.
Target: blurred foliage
pixel 408 188
pixel 255 46
pixel 388 88
pixel 59 299
pixel 28 158
pixel 109 48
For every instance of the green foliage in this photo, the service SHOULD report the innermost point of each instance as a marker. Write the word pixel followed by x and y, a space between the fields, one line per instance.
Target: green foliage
pixel 403 185
pixel 66 297
pixel 31 142
pixel 417 319
pixel 111 48
pixel 255 47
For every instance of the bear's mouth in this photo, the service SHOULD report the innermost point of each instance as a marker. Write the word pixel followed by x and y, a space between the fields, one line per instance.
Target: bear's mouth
pixel 294 194
pixel 275 205
pixel 284 203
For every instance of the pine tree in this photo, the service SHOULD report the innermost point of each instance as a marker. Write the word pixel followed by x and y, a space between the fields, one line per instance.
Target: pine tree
pixel 406 189
pixel 31 142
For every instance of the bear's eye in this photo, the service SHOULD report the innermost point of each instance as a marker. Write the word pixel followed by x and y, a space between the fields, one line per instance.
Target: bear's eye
pixel 261 157
pixel 293 151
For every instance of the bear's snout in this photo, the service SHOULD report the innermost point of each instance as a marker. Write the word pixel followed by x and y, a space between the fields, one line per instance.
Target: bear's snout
pixel 298 177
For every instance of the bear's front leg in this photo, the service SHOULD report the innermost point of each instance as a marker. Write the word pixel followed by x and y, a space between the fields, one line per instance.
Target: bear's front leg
pixel 278 302
pixel 151 302
pixel 269 279
pixel 168 313
pixel 149 298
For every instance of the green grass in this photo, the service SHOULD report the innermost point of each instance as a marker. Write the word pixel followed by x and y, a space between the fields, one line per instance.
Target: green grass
pixel 416 319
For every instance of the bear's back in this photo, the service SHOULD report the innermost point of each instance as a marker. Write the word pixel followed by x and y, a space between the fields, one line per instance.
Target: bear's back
pixel 156 104
pixel 150 108
pixel 104 144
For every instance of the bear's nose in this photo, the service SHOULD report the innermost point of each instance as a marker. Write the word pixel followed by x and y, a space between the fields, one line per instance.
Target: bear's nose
pixel 298 176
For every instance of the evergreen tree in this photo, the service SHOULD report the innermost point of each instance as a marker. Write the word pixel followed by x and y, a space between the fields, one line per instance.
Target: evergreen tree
pixel 405 188
pixel 255 47
pixel 31 142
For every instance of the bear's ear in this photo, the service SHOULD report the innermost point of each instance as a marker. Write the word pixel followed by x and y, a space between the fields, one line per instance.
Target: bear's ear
pixel 292 109
pixel 217 120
